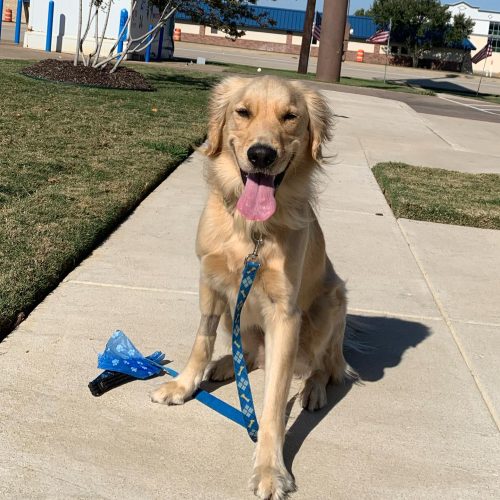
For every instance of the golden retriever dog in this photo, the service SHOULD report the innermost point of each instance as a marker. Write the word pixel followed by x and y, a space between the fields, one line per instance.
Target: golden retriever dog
pixel 264 149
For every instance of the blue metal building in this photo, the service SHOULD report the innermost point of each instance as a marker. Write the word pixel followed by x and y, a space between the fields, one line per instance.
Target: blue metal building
pixel 292 21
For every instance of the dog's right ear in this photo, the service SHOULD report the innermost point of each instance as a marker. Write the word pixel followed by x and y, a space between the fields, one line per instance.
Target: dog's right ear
pixel 219 100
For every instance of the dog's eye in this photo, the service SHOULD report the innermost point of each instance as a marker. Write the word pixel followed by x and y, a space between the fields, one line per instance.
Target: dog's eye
pixel 289 116
pixel 244 113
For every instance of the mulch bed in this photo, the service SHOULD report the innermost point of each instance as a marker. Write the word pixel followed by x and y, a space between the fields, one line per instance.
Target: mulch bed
pixel 66 72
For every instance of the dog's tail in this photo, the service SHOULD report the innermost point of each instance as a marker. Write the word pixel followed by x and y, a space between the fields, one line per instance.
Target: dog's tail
pixel 355 336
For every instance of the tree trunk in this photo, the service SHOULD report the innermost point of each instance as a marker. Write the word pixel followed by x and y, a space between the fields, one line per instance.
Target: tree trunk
pixel 100 42
pixel 306 36
pixel 414 57
pixel 79 34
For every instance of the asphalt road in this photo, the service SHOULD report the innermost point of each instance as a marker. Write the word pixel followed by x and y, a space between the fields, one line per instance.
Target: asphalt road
pixel 441 105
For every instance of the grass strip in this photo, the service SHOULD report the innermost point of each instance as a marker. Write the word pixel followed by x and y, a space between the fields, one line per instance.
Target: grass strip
pixel 393 85
pixel 74 162
pixel 437 195
pixel 353 82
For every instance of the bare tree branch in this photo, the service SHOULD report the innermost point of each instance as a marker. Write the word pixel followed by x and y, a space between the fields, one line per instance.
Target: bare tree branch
pixel 78 36
pixel 101 41
pixel 227 16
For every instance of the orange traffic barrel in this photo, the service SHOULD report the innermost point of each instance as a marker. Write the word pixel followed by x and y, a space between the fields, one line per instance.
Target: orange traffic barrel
pixel 8 16
pixel 360 55
pixel 177 35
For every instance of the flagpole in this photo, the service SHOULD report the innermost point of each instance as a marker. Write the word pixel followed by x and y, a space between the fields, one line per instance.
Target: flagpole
pixel 482 74
pixel 387 49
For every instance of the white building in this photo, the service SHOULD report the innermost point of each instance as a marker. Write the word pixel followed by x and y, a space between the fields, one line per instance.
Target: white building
pixel 65 26
pixel 487 23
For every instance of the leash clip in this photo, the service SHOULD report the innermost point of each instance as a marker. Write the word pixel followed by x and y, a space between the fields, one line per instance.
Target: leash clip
pixel 254 256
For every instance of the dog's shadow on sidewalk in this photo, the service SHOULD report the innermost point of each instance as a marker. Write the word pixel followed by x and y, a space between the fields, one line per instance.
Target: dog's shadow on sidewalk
pixel 372 345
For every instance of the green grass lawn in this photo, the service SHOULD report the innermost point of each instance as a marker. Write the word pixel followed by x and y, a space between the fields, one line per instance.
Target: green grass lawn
pixel 438 195
pixel 74 161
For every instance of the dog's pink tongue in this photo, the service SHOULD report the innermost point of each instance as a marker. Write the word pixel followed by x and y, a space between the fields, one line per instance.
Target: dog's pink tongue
pixel 257 201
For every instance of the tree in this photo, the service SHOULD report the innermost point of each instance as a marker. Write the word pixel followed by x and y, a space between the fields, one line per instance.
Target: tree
pixel 363 12
pixel 417 24
pixel 305 46
pixel 224 15
pixel 457 32
pixel 460 28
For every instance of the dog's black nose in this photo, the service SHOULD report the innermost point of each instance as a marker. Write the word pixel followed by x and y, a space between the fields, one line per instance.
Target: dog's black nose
pixel 261 155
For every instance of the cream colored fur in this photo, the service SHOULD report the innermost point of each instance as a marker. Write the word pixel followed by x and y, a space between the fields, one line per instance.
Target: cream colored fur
pixel 294 318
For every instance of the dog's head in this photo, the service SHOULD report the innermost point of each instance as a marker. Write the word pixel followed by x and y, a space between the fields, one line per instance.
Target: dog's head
pixel 271 131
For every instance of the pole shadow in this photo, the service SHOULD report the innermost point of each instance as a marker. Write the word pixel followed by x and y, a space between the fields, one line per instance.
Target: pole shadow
pixel 372 345
pixel 435 84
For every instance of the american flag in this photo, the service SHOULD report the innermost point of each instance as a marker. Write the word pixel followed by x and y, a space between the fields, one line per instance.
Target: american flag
pixel 485 52
pixel 379 37
pixel 317 31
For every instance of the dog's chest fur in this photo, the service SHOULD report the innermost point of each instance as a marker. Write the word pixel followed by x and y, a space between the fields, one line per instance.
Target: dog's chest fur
pixel 271 287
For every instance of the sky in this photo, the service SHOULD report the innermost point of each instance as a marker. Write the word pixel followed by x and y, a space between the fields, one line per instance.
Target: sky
pixel 493 5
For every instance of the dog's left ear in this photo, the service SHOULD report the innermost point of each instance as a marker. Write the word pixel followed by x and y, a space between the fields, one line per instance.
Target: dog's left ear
pixel 320 121
pixel 219 100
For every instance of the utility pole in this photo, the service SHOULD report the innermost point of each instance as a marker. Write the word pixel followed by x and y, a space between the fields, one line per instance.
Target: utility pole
pixel 306 36
pixel 332 40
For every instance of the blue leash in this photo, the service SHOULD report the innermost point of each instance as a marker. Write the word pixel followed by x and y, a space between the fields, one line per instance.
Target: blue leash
pixel 121 356
pixel 252 265
pixel 213 402
pixel 240 368
pixel 247 417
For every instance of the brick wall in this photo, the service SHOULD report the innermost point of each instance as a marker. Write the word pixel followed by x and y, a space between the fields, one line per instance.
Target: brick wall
pixel 376 58
pixel 288 48
pixel 245 44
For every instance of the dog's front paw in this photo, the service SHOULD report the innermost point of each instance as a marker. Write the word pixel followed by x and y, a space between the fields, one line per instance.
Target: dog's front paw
pixel 171 393
pixel 270 483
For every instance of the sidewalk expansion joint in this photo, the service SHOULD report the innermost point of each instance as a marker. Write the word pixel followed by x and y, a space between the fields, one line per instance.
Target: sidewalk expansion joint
pixel 392 314
pixel 359 212
pixel 471 322
pixel 368 164
pixel 130 287
pixel 452 145
pixel 486 399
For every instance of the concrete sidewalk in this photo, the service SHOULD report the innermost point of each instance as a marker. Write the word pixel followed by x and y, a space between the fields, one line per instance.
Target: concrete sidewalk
pixel 424 424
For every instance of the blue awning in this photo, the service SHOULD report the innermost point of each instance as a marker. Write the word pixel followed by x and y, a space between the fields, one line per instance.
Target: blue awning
pixel 467 44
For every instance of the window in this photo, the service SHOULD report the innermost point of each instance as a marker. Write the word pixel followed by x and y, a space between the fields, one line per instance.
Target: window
pixel 494 32
pixel 213 31
pixel 494 29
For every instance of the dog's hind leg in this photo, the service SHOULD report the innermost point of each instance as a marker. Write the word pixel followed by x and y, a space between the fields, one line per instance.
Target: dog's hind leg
pixel 178 390
pixel 313 395
pixel 322 336
pixel 336 362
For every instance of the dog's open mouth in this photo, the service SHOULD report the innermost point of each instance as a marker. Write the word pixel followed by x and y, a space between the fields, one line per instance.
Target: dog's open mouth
pixel 257 201
pixel 277 179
